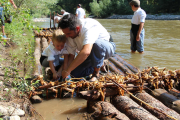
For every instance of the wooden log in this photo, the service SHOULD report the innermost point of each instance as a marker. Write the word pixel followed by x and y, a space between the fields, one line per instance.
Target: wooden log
pixel 169 100
pixel 36 33
pixel 44 43
pixel 127 64
pixel 94 94
pixel 158 105
pixel 114 69
pixel 131 109
pixel 120 65
pixel 37 55
pixel 174 92
pixel 53 20
pixel 50 19
pixel 105 111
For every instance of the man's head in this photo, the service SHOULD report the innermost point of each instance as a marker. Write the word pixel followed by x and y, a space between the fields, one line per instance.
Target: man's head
pixel 62 11
pixel 70 25
pixel 79 5
pixel 135 3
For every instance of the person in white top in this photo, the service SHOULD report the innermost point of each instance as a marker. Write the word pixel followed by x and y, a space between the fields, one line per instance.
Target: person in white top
pixel 63 12
pixel 92 41
pixel 51 55
pixel 137 31
pixel 57 19
pixel 80 13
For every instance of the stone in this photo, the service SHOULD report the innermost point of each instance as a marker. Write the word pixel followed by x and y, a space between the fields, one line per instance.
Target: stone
pixel 36 99
pixel 9 110
pixel 11 118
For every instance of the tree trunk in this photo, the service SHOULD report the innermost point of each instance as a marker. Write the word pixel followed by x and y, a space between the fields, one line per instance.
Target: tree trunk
pixel 120 65
pixel 37 55
pixel 158 105
pixel 105 111
pixel 113 68
pixel 132 109
pixel 166 98
pixel 126 64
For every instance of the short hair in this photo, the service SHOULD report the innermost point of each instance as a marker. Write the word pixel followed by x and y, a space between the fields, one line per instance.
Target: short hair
pixel 79 5
pixel 63 10
pixel 69 21
pixel 136 3
pixel 59 36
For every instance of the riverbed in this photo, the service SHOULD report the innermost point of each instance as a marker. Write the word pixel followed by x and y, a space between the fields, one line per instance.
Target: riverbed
pixel 162 40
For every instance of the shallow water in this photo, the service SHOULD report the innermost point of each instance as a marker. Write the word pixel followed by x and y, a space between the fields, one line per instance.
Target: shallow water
pixel 162 40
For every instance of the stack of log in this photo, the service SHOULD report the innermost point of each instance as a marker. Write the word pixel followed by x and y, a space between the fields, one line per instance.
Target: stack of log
pixel 152 93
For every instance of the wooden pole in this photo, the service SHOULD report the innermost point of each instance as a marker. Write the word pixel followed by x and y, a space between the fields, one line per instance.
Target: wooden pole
pixel 50 19
pixel 53 20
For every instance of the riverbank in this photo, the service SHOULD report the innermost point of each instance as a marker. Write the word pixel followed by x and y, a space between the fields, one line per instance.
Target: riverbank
pixel 148 17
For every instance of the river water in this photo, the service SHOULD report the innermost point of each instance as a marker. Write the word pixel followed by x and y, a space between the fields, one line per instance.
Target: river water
pixel 161 48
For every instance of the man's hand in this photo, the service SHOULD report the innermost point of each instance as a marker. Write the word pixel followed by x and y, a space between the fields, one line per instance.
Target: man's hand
pixel 65 74
pixel 59 73
pixel 55 76
pixel 137 37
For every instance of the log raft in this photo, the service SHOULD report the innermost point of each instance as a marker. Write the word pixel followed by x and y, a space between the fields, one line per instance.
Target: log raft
pixel 119 66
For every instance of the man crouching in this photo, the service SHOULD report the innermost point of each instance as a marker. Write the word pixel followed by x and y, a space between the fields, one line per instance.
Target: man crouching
pixel 92 40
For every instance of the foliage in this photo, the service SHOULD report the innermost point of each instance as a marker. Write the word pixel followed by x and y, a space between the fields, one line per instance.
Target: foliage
pixel 38 8
pixel 106 8
pixel 21 58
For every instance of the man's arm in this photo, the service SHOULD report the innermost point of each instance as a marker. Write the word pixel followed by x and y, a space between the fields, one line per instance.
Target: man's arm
pixel 139 31
pixel 51 65
pixel 81 57
pixel 12 2
pixel 59 15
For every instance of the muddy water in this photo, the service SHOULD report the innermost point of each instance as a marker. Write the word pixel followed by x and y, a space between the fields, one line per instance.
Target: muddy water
pixel 162 41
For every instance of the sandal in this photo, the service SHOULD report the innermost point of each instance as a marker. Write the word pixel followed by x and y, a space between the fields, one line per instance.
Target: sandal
pixel 94 78
pixel 104 68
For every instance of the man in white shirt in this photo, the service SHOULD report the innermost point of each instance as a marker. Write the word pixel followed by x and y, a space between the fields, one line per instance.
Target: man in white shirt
pixel 57 19
pixel 63 12
pixel 80 13
pixel 137 30
pixel 92 40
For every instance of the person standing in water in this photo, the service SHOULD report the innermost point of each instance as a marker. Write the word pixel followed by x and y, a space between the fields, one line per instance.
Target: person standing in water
pixel 137 31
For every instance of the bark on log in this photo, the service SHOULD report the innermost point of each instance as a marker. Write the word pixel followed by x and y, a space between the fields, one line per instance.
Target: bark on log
pixel 105 111
pixel 169 100
pixel 158 105
pixel 175 92
pixel 132 109
pixel 94 94
pixel 37 55
pixel 127 64
pixel 114 69
pixel 44 43
pixel 120 65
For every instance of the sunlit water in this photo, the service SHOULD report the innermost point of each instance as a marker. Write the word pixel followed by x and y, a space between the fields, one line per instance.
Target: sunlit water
pixel 162 41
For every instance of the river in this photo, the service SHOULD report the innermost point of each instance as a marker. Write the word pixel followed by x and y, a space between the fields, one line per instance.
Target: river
pixel 161 48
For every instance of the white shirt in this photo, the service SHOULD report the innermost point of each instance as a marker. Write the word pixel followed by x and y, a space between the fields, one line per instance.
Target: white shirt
pixel 65 13
pixel 91 30
pixel 81 13
pixel 51 51
pixel 57 18
pixel 139 16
